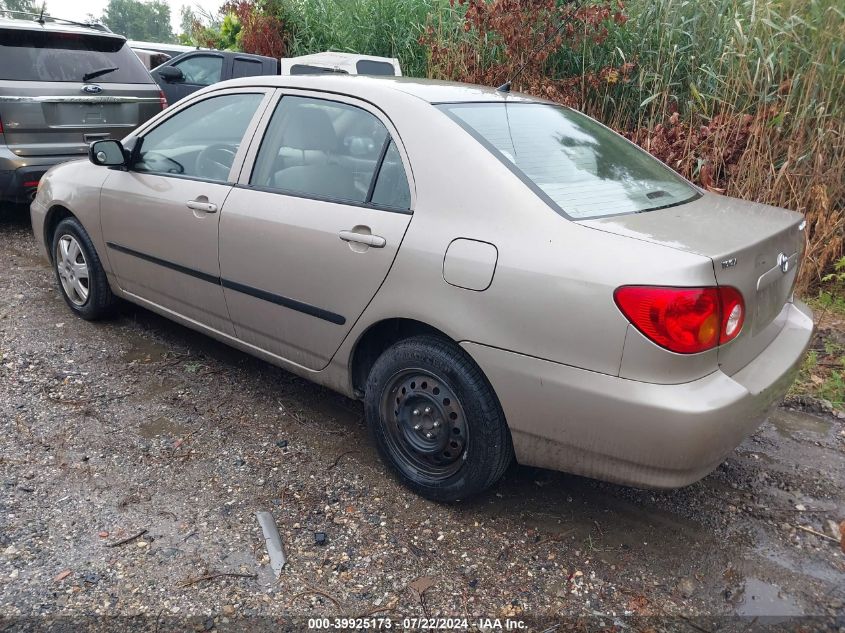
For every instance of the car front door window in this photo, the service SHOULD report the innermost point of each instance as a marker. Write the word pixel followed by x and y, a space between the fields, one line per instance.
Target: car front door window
pixel 200 141
pixel 201 70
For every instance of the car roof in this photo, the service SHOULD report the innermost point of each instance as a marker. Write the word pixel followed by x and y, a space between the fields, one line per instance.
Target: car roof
pixel 371 88
pixel 53 27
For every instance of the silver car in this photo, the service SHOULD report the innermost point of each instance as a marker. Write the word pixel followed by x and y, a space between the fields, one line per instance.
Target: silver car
pixel 495 276
pixel 62 86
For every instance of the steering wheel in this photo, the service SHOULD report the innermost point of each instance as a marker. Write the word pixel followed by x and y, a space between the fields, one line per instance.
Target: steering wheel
pixel 215 161
pixel 168 165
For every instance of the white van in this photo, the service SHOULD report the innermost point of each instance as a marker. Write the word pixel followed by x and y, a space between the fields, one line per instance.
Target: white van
pixel 344 63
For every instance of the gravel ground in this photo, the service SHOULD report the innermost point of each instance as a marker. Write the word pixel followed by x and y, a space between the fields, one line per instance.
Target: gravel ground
pixel 138 424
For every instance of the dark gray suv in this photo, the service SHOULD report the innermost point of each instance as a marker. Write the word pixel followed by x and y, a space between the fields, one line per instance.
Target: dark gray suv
pixel 63 86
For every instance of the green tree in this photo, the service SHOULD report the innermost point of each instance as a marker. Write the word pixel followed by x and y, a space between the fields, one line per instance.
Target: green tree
pixel 27 6
pixel 139 20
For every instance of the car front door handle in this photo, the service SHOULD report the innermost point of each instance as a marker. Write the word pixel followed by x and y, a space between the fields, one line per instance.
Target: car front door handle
pixel 376 241
pixel 202 205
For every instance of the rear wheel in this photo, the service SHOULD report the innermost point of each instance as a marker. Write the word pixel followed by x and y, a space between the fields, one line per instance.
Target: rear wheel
pixel 436 420
pixel 79 272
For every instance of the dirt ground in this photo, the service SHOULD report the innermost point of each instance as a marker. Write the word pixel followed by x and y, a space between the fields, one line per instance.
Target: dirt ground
pixel 139 424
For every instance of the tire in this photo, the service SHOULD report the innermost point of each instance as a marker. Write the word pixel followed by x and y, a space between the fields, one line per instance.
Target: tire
pixel 436 420
pixel 98 301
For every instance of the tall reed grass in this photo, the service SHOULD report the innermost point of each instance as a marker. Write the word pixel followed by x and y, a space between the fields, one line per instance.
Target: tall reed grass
pixel 389 28
pixel 746 97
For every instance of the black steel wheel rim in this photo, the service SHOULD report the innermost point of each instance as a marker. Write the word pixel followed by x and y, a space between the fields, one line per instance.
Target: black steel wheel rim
pixel 424 424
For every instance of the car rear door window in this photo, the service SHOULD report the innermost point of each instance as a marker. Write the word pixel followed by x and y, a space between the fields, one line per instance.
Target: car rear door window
pixel 327 150
pixel 43 55
pixel 200 141
pixel 246 68
pixel 201 70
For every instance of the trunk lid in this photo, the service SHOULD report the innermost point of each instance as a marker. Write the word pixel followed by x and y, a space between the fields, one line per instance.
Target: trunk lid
pixel 60 118
pixel 61 90
pixel 754 247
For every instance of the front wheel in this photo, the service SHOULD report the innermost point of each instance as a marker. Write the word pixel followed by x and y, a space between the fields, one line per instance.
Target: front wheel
pixel 436 420
pixel 79 272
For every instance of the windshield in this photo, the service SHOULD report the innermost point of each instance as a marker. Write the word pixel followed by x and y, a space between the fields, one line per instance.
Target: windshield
pixel 580 167
pixel 30 55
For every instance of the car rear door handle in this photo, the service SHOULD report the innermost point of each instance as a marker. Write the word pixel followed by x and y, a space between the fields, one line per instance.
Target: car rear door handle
pixel 201 205
pixel 376 241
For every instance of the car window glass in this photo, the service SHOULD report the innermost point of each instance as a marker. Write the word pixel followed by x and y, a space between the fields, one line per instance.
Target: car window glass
pixel 371 67
pixel 391 188
pixel 201 70
pixel 585 169
pixel 246 68
pixel 305 69
pixel 200 141
pixel 30 55
pixel 320 148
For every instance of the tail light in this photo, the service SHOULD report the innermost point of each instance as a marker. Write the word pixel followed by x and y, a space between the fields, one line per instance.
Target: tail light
pixel 1 126
pixel 683 320
pixel 162 99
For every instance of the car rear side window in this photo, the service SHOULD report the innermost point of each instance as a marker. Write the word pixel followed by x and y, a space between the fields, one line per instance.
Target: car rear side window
pixel 583 169
pixel 305 69
pixel 200 141
pixel 327 150
pixel 43 55
pixel 372 67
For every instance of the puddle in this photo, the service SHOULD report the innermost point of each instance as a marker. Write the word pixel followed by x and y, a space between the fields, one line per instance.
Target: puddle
pixel 163 386
pixel 143 350
pixel 759 598
pixel 790 423
pixel 160 426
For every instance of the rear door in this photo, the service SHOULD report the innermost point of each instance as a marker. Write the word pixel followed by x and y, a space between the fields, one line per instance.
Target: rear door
pixel 60 90
pixel 313 227
pixel 160 218
pixel 245 66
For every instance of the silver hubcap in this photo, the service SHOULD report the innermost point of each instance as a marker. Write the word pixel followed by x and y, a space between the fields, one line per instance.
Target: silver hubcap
pixel 72 269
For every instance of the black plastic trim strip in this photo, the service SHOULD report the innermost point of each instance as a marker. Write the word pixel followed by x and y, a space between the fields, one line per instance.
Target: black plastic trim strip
pixel 285 302
pixel 377 171
pixel 212 279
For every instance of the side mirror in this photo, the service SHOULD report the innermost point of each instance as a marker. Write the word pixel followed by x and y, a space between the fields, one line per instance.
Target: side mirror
pixel 107 153
pixel 170 74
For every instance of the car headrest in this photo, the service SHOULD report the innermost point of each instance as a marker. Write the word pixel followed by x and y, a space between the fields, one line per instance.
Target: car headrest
pixel 310 128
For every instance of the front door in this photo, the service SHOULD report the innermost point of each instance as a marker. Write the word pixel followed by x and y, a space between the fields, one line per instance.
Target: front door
pixel 160 217
pixel 198 71
pixel 311 231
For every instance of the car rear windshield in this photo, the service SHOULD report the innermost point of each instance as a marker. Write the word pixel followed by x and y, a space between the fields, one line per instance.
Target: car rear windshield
pixel 31 55
pixel 581 168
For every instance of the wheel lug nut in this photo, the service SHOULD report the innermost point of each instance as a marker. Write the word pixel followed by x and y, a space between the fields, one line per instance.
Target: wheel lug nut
pixel 417 427
pixel 429 435
pixel 416 411
pixel 427 410
pixel 436 424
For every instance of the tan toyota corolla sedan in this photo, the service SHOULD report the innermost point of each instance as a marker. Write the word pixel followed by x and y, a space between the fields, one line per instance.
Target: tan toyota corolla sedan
pixel 495 276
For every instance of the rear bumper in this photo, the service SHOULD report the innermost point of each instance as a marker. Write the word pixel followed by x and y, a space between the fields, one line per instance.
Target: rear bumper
pixel 19 175
pixel 637 433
